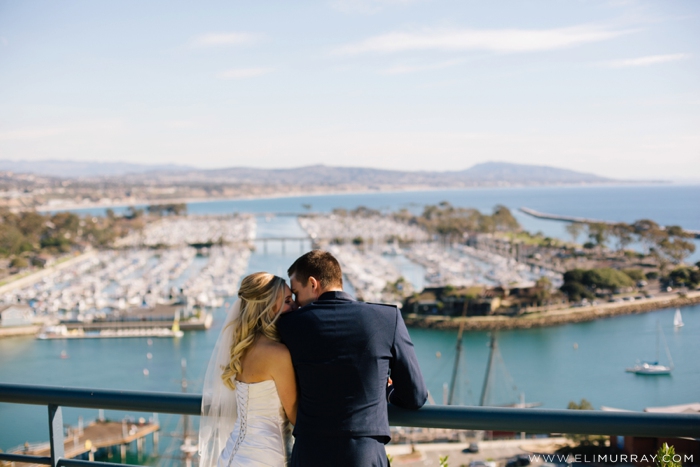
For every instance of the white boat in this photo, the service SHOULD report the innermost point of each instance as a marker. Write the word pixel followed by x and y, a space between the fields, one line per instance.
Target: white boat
pixel 678 319
pixel 654 368
pixel 650 368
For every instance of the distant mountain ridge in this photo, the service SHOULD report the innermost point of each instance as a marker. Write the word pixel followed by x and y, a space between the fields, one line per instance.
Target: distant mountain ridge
pixel 488 173
pixel 73 169
pixel 506 171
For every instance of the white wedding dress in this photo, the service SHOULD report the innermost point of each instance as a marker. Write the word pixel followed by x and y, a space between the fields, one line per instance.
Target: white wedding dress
pixel 262 434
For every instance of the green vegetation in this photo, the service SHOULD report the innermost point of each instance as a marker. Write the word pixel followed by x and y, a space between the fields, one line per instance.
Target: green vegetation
pixel 453 222
pixel 666 457
pixel 575 229
pixel 582 283
pixel 670 244
pixel 25 236
pixel 684 277
pixel 167 209
pixel 635 274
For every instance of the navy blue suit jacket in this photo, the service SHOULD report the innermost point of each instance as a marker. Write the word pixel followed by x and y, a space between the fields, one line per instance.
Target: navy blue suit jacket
pixel 343 352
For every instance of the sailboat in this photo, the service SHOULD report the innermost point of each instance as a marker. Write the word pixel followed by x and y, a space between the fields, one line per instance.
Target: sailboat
pixel 654 368
pixel 678 319
pixel 496 363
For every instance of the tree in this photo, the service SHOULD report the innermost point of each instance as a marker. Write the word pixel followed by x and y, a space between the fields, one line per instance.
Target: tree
pixel 575 229
pixel 674 245
pixel 606 278
pixel 583 405
pixel 574 275
pixel 503 219
pixel 648 233
pixel 598 233
pixel 623 232
pixel 576 291
pixel 18 262
pixel 688 277
pixel 635 274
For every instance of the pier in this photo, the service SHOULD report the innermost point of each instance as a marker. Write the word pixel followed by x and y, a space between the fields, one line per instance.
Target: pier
pixel 97 435
pixel 283 241
pixel 582 220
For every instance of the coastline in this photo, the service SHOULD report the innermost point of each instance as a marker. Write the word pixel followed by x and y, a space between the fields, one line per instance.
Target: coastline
pixel 293 194
pixel 280 195
pixel 551 318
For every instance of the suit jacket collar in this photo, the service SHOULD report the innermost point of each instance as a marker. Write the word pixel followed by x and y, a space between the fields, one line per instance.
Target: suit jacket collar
pixel 335 295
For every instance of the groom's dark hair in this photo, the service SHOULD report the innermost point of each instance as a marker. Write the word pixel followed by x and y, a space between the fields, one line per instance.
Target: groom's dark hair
pixel 320 265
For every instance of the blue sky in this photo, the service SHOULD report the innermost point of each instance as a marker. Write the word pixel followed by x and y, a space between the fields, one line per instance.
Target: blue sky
pixel 610 87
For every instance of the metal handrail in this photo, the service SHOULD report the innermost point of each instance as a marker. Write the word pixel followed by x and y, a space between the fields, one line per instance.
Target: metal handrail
pixel 664 425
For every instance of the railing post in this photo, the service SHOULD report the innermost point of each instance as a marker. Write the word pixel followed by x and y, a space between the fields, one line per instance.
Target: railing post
pixel 56 434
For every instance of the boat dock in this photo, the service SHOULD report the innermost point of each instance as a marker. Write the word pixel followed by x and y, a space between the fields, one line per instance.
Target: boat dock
pixel 96 435
pixel 582 220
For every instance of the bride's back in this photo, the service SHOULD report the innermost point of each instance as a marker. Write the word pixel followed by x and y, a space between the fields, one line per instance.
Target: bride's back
pixel 257 362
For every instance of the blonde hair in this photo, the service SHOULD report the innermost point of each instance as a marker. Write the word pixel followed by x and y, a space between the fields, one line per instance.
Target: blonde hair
pixel 258 294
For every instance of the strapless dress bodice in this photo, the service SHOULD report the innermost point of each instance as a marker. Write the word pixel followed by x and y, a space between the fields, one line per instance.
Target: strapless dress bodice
pixel 261 434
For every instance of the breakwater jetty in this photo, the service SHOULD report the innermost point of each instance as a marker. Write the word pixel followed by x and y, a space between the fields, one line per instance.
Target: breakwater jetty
pixel 553 317
pixel 582 220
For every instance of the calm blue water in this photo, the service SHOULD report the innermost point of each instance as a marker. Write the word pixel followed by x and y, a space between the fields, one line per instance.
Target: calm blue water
pixel 542 363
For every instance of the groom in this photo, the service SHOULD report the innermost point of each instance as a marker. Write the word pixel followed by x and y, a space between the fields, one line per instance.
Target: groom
pixel 343 353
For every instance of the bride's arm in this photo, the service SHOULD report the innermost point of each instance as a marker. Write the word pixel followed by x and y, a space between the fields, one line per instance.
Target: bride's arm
pixel 282 372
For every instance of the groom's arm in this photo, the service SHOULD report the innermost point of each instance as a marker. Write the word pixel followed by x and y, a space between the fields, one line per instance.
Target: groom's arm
pixel 408 389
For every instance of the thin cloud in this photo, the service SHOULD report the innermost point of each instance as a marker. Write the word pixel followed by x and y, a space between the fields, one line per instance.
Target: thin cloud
pixel 3 41
pixel 404 69
pixel 223 40
pixel 494 40
pixel 367 7
pixel 240 73
pixel 646 61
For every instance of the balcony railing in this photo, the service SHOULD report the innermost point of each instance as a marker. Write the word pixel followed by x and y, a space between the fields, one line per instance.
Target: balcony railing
pixel 467 418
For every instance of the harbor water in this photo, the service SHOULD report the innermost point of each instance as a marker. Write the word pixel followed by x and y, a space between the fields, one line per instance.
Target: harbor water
pixel 551 366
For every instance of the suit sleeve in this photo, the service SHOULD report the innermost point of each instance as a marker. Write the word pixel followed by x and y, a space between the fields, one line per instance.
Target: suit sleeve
pixel 408 389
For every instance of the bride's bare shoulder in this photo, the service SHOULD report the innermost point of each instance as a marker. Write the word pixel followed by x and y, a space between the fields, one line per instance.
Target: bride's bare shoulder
pixel 274 348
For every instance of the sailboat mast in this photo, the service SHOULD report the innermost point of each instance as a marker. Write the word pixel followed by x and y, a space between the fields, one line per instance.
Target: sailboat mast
pixel 185 418
pixel 453 382
pixel 492 355
pixel 658 338
pixel 668 351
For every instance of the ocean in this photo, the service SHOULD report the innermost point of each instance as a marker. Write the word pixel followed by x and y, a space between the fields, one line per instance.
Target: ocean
pixel 551 366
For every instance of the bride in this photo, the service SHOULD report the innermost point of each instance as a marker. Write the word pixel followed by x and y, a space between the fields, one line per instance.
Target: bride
pixel 250 395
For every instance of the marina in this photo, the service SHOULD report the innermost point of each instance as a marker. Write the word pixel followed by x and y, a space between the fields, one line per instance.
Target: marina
pixel 131 293
pixel 544 362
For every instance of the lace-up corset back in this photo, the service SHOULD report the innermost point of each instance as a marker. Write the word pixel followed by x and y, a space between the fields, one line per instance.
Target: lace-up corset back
pixel 261 433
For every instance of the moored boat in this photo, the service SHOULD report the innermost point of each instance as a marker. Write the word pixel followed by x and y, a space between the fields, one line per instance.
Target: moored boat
pixel 678 319
pixel 654 368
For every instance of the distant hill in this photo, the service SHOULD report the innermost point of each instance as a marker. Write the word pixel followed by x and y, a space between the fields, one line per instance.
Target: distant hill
pixel 489 173
pixel 486 173
pixel 76 169
pixel 507 172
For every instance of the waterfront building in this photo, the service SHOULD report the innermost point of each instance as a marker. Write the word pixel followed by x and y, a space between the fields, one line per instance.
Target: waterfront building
pixel 16 315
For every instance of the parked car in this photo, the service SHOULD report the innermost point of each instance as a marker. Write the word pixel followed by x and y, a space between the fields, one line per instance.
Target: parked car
pixel 473 447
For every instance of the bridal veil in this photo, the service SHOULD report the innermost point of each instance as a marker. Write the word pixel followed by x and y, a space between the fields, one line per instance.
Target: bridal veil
pixel 218 401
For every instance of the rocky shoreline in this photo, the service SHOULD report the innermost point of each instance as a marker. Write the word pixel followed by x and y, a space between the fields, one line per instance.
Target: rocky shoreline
pixel 551 318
